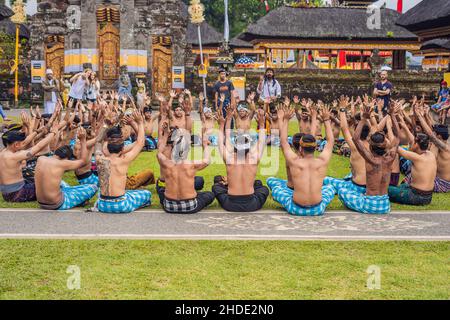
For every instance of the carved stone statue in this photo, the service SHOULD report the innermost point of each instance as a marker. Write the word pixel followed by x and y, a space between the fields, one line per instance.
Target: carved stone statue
pixel 124 82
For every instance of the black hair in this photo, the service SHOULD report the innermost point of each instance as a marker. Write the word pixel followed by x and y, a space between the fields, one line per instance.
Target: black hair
pixel 334 112
pixel 378 138
pixel 46 116
pixel 308 138
pixel 114 132
pixel 296 140
pixel 442 131
pixel 64 152
pixel 147 109
pixel 273 72
pixel 358 116
pixel 76 119
pixel 423 141
pixel 12 136
pixel 365 132
pixel 115 148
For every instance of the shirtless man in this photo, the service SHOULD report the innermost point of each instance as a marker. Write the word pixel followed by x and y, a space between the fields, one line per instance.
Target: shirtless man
pixel 274 134
pixel 149 120
pixel 207 118
pixel 112 172
pixel 179 115
pixel 358 165
pixel 309 197
pixel 13 158
pixel 379 159
pixel 179 194
pixel 51 192
pixel 419 186
pixel 239 192
pixel 439 136
pixel 84 174
pixel 245 113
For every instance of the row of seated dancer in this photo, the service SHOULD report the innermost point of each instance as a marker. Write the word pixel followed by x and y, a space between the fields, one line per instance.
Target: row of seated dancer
pixel 95 143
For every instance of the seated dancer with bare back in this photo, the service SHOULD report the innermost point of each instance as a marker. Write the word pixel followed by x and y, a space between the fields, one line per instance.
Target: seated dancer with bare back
pixel 418 187
pixel 245 112
pixel 53 193
pixel 149 120
pixel 379 156
pixel 357 182
pixel 439 136
pixel 112 172
pixel 238 191
pixel 13 158
pixel 179 194
pixel 309 197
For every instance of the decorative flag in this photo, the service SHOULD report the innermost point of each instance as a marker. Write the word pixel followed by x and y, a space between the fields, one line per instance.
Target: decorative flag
pixel 266 2
pixel 400 6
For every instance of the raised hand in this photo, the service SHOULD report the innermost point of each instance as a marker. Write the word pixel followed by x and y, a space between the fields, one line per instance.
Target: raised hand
pixel 172 94
pixel 137 116
pixel 296 100
pixel 325 113
pixel 287 101
pixel 251 97
pixel 81 134
pixel 366 111
pixel 222 98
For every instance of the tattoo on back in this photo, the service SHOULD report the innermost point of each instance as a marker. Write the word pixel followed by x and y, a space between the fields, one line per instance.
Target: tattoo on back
pixel 104 173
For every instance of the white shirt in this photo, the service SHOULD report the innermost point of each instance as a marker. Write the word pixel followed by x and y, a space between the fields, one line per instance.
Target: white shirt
pixel 77 89
pixel 270 89
pixel 54 99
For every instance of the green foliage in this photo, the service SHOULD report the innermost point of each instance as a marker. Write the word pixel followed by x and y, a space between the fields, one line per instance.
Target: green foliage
pixel 7 52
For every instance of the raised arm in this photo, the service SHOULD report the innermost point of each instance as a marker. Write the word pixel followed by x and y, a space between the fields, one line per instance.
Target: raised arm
pixel 140 141
pixel 327 152
pixel 366 154
pixel 284 115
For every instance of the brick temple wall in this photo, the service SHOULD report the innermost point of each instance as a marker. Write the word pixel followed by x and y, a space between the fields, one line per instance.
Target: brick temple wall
pixel 328 85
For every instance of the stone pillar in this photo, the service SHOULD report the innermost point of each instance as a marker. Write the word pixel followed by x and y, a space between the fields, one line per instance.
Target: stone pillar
pixel 399 60
pixel 89 51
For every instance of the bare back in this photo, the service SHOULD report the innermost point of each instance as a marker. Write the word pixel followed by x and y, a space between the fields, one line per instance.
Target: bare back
pixel 11 171
pixel 48 176
pixel 180 181
pixel 112 173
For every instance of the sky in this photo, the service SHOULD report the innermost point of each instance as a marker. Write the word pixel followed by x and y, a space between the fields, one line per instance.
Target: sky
pixel 407 4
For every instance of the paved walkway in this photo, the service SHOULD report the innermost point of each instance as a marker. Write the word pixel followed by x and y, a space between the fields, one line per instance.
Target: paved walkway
pixel 216 224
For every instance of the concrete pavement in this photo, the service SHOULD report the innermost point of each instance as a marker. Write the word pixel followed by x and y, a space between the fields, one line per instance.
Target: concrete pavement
pixel 217 224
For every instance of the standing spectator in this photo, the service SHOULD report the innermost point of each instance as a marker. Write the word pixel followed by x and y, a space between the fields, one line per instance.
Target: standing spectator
pixel 225 87
pixel 79 84
pixel 93 88
pixel 268 87
pixel 2 114
pixel 52 89
pixel 383 90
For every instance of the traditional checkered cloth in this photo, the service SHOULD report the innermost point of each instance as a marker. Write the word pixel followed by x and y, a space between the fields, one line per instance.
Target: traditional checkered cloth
pixel 180 206
pixel 92 179
pixel 214 140
pixel 441 185
pixel 339 184
pixel 284 196
pixel 365 204
pixel 151 143
pixel 75 196
pixel 131 201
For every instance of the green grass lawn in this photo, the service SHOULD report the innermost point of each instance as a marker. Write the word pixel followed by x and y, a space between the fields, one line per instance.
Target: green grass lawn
pixel 36 269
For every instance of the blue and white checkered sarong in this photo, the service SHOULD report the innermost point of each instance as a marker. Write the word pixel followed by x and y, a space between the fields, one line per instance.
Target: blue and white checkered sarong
pixel 339 184
pixel 75 196
pixel 365 204
pixel 276 182
pixel 128 142
pixel 214 140
pixel 151 143
pixel 131 201
pixel 284 196
pixel 92 179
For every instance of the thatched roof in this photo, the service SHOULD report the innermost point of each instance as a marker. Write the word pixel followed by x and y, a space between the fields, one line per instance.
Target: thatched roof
pixel 427 14
pixel 325 23
pixel 238 43
pixel 439 44
pixel 5 12
pixel 9 27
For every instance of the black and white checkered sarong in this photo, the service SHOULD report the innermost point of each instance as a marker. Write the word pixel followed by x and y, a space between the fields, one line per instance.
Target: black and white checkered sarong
pixel 181 206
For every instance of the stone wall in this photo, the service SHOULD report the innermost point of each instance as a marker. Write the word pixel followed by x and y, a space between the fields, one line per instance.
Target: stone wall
pixel 328 85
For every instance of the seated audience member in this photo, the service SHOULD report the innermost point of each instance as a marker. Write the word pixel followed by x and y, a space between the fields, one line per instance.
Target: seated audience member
pixel 238 191
pixel 309 197
pixel 52 193
pixel 379 159
pixel 179 194
pixel 418 187
pixel 113 168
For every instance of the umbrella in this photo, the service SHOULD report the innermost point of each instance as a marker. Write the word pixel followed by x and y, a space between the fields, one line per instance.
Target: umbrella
pixel 244 62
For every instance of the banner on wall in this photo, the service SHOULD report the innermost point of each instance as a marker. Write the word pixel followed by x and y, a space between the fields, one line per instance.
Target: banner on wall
pixel 177 77
pixel 239 86
pixel 37 71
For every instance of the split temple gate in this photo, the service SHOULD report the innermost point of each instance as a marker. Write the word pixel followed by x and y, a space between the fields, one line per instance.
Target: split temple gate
pixel 147 36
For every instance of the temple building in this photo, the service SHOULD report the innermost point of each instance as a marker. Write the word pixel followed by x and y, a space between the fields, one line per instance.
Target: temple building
pixel 356 3
pixel 146 36
pixel 430 21
pixel 329 38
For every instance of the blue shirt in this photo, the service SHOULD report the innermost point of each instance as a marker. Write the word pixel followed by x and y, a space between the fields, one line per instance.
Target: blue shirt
pixel 387 98
pixel 444 94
